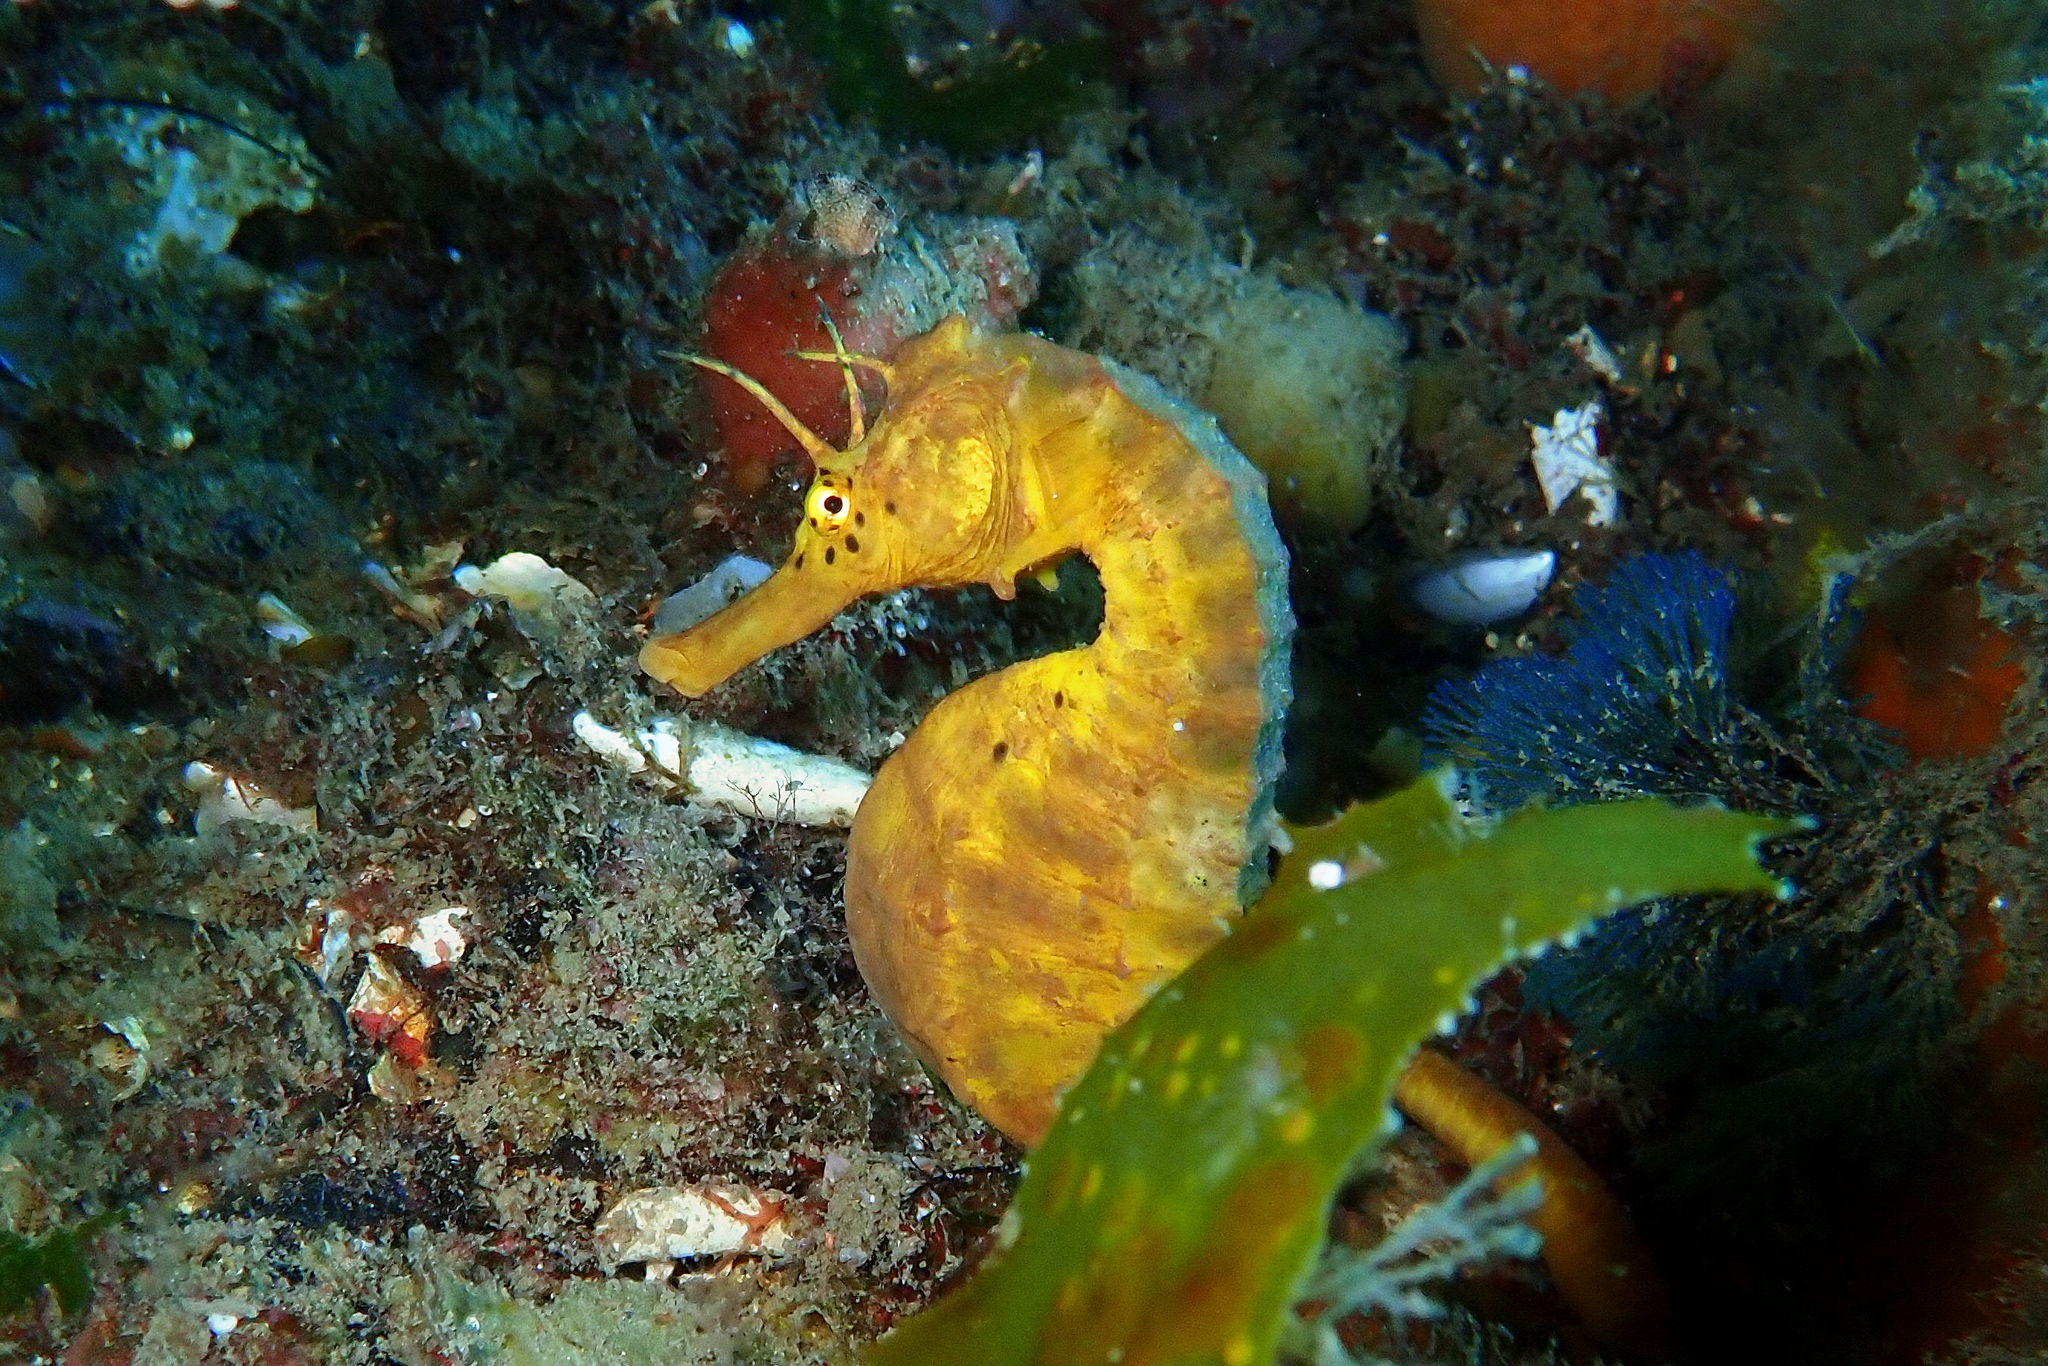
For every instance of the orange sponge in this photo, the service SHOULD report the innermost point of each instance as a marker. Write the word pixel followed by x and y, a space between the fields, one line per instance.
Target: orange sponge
pixel 1938 674
pixel 1621 48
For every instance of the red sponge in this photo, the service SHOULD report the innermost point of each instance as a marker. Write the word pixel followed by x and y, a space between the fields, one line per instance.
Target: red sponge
pixel 834 252
pixel 767 302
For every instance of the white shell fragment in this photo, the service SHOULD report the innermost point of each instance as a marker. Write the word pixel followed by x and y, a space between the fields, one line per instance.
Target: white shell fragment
pixel 660 1224
pixel 1594 351
pixel 280 622
pixel 1483 590
pixel 225 798
pixel 734 577
pixel 760 778
pixel 528 582
pixel 614 747
pixel 1566 455
pixel 736 772
pixel 434 938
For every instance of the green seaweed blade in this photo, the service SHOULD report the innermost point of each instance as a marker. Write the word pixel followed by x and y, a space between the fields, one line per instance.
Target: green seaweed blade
pixel 60 1259
pixel 1170 1215
pixel 1004 101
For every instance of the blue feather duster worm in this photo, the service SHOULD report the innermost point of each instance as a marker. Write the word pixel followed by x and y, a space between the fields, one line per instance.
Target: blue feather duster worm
pixel 1638 703
pixel 1786 1028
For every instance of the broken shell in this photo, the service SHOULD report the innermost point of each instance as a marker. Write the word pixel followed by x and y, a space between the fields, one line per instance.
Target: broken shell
pixel 280 622
pixel 433 938
pixel 844 214
pixel 1481 590
pixel 414 606
pixel 298 642
pixel 528 582
pixel 327 944
pixel 677 1223
pixel 1593 350
pixel 1566 456
pixel 400 1083
pixel 124 1057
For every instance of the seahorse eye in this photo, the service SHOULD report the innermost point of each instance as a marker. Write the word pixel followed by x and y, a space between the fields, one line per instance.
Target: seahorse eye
pixel 827 508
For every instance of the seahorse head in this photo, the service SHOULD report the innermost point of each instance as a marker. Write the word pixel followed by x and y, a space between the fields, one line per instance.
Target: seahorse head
pixel 931 496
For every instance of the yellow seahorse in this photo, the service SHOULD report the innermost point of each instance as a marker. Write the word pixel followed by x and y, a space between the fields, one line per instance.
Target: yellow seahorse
pixel 1058 838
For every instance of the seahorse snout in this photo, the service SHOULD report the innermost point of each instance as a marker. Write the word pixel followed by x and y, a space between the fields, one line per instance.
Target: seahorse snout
pixel 791 604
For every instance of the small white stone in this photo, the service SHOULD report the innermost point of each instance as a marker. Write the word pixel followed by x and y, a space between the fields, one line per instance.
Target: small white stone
pixel 735 37
pixel 1325 875
pixel 31 499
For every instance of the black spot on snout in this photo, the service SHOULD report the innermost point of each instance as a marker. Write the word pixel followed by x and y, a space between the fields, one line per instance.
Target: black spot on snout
pixel 1001 751
pixel 828 554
